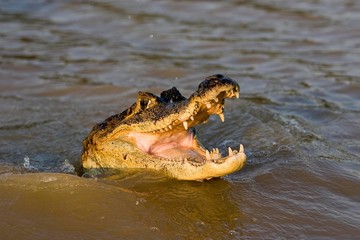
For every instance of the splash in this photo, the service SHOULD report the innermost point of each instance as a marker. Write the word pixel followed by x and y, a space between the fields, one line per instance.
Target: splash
pixel 67 167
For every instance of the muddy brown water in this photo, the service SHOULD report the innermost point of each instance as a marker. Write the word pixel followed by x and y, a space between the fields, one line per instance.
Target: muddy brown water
pixel 66 65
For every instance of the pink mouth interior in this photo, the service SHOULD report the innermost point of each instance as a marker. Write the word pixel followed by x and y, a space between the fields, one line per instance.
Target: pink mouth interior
pixel 171 145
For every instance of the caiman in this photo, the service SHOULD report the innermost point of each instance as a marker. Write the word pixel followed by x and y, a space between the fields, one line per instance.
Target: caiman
pixel 158 133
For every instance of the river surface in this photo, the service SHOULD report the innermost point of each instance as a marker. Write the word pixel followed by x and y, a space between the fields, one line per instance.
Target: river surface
pixel 66 65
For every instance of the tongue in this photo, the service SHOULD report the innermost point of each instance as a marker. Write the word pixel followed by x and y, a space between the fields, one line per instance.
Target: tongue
pixel 165 144
pixel 176 153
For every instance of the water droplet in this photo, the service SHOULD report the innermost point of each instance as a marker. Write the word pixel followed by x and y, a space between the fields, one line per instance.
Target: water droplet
pixel 26 162
pixel 151 36
pixel 48 179
pixel 141 200
pixel 232 232
pixel 154 229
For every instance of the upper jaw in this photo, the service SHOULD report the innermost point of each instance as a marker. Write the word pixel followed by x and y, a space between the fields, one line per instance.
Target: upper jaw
pixel 165 114
pixel 179 114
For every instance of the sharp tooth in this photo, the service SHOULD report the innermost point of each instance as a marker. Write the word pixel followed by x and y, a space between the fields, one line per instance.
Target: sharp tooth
pixel 230 152
pixel 208 105
pixel 241 149
pixel 149 103
pixel 192 118
pixel 217 150
pixel 207 155
pixel 185 159
pixel 170 126
pixel 237 94
pixel 216 99
pixel 185 125
pixel 222 117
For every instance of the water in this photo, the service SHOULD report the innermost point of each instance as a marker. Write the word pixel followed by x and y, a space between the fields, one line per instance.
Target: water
pixel 66 65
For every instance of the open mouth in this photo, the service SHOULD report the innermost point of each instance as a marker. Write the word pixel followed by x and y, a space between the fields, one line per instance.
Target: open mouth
pixel 177 141
pixel 158 133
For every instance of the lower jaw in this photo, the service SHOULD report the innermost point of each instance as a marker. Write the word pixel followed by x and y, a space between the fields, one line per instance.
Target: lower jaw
pixel 178 169
pixel 189 170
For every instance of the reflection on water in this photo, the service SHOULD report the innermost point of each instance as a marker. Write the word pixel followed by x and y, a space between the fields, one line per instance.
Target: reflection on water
pixel 66 65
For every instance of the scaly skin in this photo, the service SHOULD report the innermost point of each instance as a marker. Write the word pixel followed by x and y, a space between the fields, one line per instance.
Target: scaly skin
pixel 158 133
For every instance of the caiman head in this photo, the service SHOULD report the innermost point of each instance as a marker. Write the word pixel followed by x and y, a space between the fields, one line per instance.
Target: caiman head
pixel 158 133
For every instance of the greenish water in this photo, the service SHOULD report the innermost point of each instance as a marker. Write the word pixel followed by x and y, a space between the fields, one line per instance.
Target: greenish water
pixel 66 65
